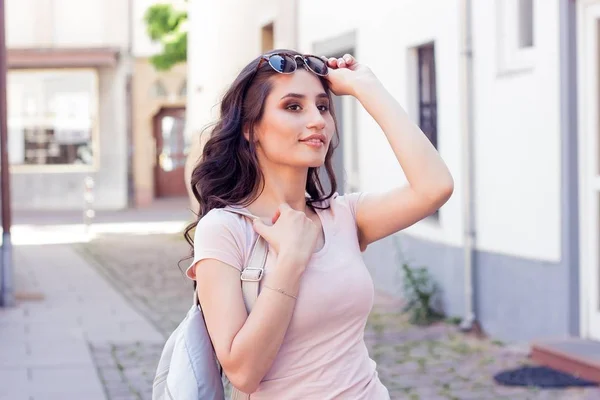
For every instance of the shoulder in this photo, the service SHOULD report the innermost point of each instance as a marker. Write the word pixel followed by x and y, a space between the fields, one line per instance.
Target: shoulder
pixel 221 235
pixel 347 203
pixel 222 228
pixel 219 221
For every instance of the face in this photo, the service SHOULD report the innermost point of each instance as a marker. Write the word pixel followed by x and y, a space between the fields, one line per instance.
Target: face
pixel 296 127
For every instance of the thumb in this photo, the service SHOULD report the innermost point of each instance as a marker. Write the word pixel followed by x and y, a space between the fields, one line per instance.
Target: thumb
pixel 262 229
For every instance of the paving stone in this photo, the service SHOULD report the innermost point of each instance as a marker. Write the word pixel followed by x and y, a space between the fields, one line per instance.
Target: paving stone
pixel 428 363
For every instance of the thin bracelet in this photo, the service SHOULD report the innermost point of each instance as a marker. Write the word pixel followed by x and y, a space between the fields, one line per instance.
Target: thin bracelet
pixel 281 291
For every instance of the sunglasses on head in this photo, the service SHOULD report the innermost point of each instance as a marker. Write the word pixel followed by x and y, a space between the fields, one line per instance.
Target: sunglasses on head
pixel 285 63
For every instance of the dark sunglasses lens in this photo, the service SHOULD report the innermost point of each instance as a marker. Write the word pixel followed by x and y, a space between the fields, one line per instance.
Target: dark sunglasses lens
pixel 283 64
pixel 316 64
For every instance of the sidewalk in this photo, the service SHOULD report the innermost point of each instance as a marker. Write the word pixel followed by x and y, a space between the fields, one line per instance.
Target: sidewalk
pixel 67 226
pixel 45 345
pixel 169 209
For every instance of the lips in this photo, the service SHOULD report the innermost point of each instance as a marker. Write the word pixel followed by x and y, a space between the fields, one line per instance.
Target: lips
pixel 317 137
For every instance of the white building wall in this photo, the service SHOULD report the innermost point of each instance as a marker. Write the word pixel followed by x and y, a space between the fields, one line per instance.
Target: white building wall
pixel 518 165
pixel 225 36
pixel 517 129
pixel 386 34
pixel 516 112
pixel 67 23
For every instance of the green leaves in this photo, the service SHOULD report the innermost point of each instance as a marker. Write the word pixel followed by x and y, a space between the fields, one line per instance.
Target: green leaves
pixel 419 291
pixel 167 25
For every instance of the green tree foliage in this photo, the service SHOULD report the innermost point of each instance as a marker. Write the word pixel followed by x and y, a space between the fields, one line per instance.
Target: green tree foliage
pixel 167 25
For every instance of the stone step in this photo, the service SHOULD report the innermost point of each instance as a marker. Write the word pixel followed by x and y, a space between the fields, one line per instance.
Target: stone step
pixel 578 357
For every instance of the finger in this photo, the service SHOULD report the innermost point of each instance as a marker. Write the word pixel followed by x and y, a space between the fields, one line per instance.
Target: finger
pixel 349 59
pixel 276 216
pixel 341 63
pixel 262 229
pixel 332 62
pixel 283 207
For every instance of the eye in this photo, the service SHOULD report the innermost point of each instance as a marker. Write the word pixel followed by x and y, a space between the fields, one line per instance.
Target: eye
pixel 323 107
pixel 294 107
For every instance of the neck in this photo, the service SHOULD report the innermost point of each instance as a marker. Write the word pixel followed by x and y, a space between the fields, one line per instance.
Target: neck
pixel 281 185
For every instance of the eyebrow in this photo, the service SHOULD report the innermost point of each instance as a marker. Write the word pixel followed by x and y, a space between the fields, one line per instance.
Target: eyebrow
pixel 301 96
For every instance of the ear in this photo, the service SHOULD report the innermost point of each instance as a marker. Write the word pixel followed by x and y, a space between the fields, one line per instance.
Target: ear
pixel 246 132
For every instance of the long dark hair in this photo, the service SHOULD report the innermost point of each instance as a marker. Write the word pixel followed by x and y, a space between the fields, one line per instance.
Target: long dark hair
pixel 228 172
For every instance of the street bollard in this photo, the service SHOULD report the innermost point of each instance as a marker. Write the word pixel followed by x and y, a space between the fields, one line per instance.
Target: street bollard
pixel 88 197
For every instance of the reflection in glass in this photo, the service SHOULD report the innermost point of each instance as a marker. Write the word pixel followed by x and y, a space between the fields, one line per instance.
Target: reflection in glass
pixel 172 152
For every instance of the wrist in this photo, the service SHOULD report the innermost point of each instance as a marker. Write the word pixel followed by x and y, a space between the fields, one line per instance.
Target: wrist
pixel 286 276
pixel 290 263
pixel 365 85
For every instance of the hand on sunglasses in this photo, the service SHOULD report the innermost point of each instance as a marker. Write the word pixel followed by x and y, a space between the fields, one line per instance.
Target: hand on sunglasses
pixel 346 73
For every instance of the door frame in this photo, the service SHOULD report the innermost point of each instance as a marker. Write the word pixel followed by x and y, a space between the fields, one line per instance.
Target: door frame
pixel 156 130
pixel 588 97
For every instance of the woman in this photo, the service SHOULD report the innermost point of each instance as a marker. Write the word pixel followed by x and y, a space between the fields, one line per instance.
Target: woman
pixel 304 336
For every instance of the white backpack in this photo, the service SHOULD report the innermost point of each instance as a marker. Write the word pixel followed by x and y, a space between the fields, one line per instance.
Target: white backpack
pixel 188 368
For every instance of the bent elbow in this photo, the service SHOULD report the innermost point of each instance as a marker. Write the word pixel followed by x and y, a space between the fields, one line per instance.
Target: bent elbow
pixel 244 383
pixel 446 191
pixel 242 378
pixel 438 196
pixel 241 372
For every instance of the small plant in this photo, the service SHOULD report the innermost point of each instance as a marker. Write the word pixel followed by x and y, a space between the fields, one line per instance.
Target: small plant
pixel 419 292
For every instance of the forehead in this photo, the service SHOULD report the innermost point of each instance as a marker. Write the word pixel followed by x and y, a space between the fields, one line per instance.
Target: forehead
pixel 301 82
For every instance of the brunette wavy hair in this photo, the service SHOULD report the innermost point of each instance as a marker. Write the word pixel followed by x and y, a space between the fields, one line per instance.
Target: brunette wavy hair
pixel 228 173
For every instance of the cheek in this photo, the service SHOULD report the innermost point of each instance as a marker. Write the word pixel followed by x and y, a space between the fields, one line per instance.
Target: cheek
pixel 330 124
pixel 280 131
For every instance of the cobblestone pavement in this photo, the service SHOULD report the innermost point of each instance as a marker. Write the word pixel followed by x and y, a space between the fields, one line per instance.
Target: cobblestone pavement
pixel 436 362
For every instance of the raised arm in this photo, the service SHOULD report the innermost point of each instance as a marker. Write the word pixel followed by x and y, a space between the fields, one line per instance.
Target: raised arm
pixel 430 183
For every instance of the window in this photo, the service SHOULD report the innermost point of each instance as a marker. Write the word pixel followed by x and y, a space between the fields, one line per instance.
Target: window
pixel 525 23
pixel 182 92
pixel 52 117
pixel 427 91
pixel 515 34
pixel 267 38
pixel 158 90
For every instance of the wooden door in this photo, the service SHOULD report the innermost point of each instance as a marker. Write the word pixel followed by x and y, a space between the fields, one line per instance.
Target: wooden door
pixel 169 126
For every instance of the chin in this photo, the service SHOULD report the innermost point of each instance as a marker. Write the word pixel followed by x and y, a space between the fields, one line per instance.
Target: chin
pixel 315 163
pixel 304 161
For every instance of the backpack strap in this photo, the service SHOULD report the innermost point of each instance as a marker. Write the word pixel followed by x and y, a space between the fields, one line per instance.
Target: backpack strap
pixel 255 268
pixel 251 276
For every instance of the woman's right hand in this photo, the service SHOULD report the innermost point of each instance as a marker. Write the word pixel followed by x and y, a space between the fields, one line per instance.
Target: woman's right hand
pixel 293 235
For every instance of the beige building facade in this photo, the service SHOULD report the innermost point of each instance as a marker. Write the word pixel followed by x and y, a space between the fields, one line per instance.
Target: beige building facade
pixel 82 98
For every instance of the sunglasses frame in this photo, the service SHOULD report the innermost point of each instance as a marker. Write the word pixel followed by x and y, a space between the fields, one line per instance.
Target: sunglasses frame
pixel 267 57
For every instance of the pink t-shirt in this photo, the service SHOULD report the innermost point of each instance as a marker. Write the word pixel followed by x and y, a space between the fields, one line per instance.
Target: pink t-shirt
pixel 323 355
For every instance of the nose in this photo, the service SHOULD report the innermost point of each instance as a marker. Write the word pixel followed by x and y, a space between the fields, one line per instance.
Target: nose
pixel 316 120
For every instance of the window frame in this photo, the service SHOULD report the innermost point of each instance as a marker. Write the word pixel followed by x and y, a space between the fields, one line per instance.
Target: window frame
pixel 95 126
pixel 512 58
pixel 432 103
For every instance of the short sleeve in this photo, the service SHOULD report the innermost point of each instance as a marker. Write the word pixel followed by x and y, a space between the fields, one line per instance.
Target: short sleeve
pixel 351 201
pixel 219 235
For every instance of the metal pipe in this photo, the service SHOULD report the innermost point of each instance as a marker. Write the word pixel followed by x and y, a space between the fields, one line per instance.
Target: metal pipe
pixel 129 107
pixel 7 291
pixel 469 318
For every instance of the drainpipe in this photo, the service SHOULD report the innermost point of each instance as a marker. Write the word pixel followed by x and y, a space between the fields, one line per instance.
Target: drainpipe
pixel 129 106
pixel 7 281
pixel 468 321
